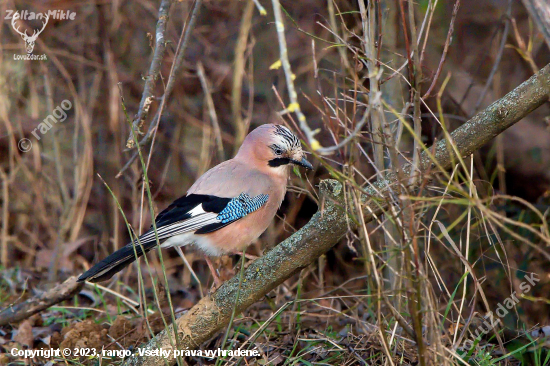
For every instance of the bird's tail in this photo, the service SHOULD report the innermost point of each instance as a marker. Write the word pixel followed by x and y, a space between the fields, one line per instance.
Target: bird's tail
pixel 116 262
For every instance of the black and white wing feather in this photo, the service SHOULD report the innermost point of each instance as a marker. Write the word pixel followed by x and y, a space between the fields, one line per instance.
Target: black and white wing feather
pixel 202 214
pixel 196 213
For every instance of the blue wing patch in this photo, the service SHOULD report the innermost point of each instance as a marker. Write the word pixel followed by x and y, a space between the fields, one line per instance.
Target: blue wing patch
pixel 241 206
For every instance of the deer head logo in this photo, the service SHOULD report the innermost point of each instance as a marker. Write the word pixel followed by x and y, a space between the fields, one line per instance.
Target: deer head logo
pixel 29 40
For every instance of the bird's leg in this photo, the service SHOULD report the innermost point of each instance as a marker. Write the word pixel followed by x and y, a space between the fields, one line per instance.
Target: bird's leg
pixel 217 280
pixel 188 265
pixel 246 255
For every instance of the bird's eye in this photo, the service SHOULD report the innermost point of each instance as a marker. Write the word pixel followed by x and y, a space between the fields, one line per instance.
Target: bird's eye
pixel 278 151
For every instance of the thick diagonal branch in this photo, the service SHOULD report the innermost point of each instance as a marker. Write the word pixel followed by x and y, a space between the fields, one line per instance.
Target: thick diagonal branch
pixel 327 226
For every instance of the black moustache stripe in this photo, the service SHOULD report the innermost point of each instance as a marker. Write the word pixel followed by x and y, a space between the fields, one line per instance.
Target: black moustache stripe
pixel 278 162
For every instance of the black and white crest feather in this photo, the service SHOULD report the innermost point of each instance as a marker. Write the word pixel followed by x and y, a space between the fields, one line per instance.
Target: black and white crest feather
pixel 290 140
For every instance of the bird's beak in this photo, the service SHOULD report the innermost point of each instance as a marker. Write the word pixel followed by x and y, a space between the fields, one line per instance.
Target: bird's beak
pixel 306 164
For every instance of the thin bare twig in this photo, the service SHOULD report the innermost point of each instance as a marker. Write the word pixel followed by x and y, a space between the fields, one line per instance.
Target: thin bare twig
pixel 241 127
pixel 211 111
pixel 154 70
pixel 356 131
pixel 540 12
pixel 294 106
pixel 261 9
pixel 445 49
pixel 176 66
pixel 406 35
pixel 498 58
pixel 416 80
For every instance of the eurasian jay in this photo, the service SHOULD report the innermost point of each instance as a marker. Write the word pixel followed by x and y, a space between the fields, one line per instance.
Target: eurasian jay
pixel 226 209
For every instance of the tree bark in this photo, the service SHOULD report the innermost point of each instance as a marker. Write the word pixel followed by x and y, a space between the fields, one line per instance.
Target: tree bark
pixel 329 225
pixel 24 310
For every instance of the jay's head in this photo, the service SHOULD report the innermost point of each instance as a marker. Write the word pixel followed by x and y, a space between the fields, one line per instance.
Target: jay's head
pixel 275 147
